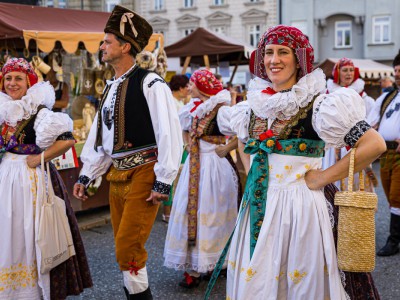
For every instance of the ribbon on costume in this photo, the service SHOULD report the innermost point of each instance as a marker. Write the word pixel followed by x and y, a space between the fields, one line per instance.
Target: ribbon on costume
pixel 255 194
pixel 126 17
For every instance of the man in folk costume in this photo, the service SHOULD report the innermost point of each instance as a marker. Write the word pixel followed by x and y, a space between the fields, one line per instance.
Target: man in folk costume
pixel 385 116
pixel 137 132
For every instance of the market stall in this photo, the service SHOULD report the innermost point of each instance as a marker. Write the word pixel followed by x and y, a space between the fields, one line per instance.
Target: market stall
pixel 30 31
pixel 206 48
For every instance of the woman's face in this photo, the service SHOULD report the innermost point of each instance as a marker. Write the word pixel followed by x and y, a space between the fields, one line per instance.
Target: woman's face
pixel 194 91
pixel 184 91
pixel 16 84
pixel 281 66
pixel 346 75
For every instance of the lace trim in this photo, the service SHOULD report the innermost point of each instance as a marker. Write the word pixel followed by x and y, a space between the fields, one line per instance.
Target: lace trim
pixel 330 212
pixel 66 136
pixel 83 180
pixel 223 97
pixel 284 105
pixel 356 132
pixel 357 85
pixel 161 187
pixel 188 266
pixel 14 111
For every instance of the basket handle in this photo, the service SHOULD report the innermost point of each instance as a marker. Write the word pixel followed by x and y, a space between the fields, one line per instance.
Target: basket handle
pixel 351 170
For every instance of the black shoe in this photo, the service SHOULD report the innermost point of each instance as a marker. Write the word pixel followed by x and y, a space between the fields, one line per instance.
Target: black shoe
pixel 208 275
pixel 189 282
pixel 145 295
pixel 391 248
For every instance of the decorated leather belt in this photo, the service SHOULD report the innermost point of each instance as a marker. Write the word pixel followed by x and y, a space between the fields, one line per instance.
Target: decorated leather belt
pixel 136 159
pixel 391 145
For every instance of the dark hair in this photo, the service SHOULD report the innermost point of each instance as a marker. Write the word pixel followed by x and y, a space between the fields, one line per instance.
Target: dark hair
pixel 132 52
pixel 177 82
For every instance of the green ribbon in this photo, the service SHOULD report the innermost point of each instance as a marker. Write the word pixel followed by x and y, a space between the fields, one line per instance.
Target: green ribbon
pixel 255 193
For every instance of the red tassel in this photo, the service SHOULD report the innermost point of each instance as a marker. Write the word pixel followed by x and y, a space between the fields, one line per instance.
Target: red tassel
pixel 133 268
pixel 278 145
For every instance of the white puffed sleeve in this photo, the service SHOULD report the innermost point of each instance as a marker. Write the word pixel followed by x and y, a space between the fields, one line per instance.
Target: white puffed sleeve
pixel 185 117
pixel 235 120
pixel 49 125
pixel 336 114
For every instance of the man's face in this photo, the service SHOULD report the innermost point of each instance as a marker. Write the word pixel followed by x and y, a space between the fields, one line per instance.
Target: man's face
pixel 111 49
pixel 397 75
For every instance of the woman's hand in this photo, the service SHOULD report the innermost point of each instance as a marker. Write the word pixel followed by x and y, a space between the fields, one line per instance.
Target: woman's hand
pixel 222 151
pixel 315 179
pixel 33 160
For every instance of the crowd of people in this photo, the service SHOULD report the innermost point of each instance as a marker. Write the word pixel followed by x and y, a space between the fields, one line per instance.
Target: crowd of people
pixel 292 134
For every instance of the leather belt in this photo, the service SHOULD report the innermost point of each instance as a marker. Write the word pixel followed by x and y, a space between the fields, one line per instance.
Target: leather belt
pixel 391 145
pixel 136 159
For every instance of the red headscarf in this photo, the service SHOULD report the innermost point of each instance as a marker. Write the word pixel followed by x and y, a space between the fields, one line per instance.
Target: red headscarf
pixel 18 65
pixel 287 36
pixel 206 82
pixel 340 64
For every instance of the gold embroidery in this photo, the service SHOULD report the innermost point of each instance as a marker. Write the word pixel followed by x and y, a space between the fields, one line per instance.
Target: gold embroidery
pixel 279 177
pixel 233 264
pixel 298 176
pixel 18 276
pixel 289 169
pixel 241 270
pixel 296 276
pixel 250 274
pixel 279 276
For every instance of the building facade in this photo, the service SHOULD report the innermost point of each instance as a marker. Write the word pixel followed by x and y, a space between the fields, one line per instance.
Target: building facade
pixel 343 28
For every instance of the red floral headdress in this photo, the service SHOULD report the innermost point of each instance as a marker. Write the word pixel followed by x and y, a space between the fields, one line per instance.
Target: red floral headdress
pixel 340 64
pixel 206 82
pixel 287 36
pixel 18 65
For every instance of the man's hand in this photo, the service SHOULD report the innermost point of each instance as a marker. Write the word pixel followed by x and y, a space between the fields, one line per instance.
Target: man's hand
pixel 79 192
pixel 314 179
pixel 157 198
pixel 33 160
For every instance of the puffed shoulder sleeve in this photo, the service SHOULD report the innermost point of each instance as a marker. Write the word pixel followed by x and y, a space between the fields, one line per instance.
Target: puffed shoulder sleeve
pixel 185 117
pixel 49 126
pixel 339 118
pixel 234 120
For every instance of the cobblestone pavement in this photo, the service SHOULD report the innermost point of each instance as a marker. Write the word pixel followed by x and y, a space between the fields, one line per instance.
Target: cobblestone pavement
pixel 164 282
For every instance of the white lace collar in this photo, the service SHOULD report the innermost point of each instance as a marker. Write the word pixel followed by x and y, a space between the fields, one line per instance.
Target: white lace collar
pixel 222 97
pixel 284 105
pixel 357 85
pixel 13 111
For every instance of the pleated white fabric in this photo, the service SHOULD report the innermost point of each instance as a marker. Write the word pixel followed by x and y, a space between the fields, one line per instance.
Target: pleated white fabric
pixel 217 213
pixel 295 255
pixel 20 202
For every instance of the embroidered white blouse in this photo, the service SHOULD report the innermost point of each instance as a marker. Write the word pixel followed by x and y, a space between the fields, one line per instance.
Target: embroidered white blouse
pixel 166 128
pixel 48 124
pixel 334 115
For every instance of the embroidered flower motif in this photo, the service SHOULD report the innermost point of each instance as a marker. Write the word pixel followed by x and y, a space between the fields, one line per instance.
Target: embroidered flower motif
pixel 307 166
pixel 302 146
pixel 288 168
pixel 233 264
pixel 296 276
pixel 298 176
pixel 270 143
pixel 250 274
pixel 279 276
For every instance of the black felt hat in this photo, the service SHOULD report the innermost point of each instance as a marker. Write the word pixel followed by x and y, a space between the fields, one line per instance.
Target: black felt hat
pixel 130 27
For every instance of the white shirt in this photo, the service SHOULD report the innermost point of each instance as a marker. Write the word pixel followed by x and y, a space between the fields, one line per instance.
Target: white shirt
pixel 167 131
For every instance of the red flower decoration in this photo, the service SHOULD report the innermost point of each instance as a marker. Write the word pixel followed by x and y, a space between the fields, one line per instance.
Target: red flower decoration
pixel 268 135
pixel 269 91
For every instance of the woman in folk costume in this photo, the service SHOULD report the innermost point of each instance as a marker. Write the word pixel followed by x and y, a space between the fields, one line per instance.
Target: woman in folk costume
pixel 345 74
pixel 283 245
pixel 28 127
pixel 204 208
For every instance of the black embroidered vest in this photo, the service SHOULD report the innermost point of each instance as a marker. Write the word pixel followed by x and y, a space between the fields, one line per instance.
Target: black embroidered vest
pixel 133 129
pixel 25 132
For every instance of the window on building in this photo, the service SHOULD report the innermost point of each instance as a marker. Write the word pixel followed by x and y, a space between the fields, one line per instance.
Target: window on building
pixel 219 29
pixel 254 0
pixel 110 4
pixel 50 3
pixel 381 29
pixel 188 31
pixel 254 34
pixel 218 2
pixel 343 34
pixel 62 3
pixel 158 4
pixel 188 3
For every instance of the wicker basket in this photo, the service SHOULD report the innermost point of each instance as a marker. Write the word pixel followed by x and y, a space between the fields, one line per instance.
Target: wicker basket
pixel 356 228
